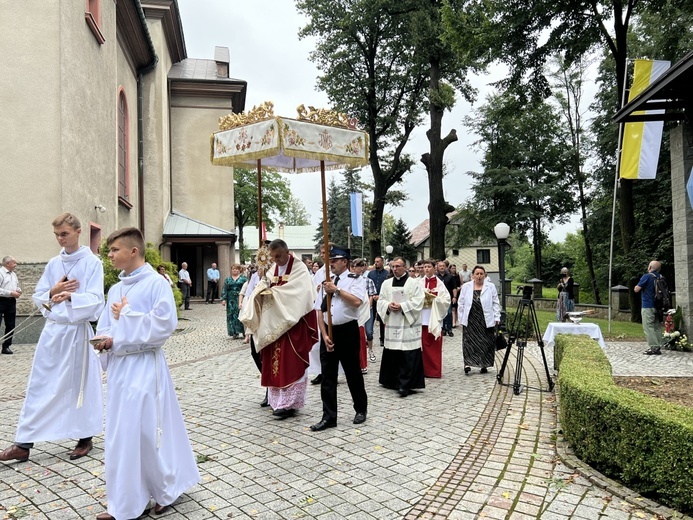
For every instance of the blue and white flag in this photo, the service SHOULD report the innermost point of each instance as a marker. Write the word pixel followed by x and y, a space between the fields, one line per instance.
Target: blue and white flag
pixel 356 214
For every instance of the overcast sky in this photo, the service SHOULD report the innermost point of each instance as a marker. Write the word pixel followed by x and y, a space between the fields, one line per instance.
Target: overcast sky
pixel 262 36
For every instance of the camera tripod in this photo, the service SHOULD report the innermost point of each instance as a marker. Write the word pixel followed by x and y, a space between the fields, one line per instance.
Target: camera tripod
pixel 519 334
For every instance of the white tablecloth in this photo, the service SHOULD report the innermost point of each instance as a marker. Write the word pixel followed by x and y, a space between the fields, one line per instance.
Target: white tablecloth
pixel 591 329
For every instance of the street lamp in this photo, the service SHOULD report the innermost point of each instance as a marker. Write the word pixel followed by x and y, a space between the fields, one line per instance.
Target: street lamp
pixel 389 249
pixel 502 230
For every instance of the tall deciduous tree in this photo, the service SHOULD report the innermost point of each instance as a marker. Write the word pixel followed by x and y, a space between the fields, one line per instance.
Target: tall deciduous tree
pixel 524 35
pixel 364 52
pixel 275 196
pixel 567 85
pixel 523 180
pixel 447 73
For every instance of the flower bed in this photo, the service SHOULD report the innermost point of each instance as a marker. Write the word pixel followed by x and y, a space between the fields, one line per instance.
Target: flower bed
pixel 643 441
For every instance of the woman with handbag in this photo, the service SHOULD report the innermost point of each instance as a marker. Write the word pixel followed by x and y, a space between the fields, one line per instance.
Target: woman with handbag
pixel 479 313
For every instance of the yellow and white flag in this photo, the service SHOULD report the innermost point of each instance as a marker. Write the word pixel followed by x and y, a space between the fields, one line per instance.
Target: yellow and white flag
pixel 641 141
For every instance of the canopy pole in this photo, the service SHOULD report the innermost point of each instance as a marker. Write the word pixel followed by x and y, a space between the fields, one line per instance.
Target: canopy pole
pixel 326 246
pixel 259 204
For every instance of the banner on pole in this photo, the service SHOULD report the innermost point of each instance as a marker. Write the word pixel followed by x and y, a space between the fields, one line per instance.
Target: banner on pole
pixel 357 214
pixel 642 140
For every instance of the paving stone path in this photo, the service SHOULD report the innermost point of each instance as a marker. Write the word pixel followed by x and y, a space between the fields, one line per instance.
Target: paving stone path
pixel 463 448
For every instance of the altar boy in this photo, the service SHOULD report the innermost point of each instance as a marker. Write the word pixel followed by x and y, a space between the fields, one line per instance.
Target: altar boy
pixel 148 453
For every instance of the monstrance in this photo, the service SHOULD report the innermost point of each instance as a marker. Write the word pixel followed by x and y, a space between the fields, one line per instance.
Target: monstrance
pixel 318 139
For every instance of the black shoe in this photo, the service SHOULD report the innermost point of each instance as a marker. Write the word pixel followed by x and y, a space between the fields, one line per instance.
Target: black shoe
pixel 467 370
pixel 324 424
pixel 7 350
pixel 403 392
pixel 264 403
pixel 483 370
pixel 450 333
pixel 317 380
pixel 360 417
pixel 653 352
pixel 284 413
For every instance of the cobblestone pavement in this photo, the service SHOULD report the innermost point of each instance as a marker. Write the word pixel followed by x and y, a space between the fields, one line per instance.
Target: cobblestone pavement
pixel 463 448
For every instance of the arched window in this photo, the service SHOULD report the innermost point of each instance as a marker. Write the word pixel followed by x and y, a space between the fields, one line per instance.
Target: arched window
pixel 123 151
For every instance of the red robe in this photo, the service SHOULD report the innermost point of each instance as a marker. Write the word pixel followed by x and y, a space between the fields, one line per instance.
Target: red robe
pixel 285 361
pixel 431 348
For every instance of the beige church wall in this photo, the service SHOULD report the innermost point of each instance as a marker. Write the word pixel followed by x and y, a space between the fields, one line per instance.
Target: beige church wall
pixel 126 78
pixel 202 191
pixel 29 128
pixel 88 115
pixel 156 139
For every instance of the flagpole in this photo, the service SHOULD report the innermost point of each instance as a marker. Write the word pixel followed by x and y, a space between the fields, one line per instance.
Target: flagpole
pixel 619 145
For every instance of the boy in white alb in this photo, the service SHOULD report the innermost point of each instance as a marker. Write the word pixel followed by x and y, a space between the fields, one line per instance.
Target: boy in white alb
pixel 64 398
pixel 148 453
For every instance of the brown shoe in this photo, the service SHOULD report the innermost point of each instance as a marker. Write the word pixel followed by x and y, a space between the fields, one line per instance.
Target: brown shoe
pixel 81 450
pixel 104 516
pixel 160 510
pixel 14 452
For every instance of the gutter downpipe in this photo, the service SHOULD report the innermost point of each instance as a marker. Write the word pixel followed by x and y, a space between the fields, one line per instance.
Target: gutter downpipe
pixel 140 119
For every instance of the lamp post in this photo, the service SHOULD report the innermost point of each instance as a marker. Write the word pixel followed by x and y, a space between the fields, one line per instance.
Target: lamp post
pixel 388 250
pixel 502 230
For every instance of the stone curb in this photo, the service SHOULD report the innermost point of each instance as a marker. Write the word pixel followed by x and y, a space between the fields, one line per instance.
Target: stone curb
pixel 568 457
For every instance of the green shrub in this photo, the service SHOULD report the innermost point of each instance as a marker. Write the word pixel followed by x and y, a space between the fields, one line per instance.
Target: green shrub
pixel 643 441
pixel 152 257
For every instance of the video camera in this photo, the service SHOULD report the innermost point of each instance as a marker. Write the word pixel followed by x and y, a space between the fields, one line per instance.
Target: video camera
pixel 525 291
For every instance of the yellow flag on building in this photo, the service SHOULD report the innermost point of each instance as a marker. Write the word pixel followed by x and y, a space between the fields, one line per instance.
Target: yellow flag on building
pixel 642 140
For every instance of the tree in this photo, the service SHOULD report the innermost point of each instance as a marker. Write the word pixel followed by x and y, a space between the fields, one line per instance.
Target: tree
pixel 338 217
pixel 567 87
pixel 295 213
pixel 447 71
pixel 523 181
pixel 525 35
pixel 364 51
pixel 401 242
pixel 275 195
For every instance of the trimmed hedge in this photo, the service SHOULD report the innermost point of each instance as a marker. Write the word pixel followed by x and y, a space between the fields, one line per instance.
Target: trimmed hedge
pixel 645 442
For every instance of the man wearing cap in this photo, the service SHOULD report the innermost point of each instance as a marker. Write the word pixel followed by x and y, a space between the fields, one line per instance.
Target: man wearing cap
pixel 400 304
pixel 347 292
pixel 280 314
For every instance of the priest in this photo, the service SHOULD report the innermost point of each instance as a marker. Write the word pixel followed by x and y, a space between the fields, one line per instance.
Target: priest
pixel 280 313
pixel 399 306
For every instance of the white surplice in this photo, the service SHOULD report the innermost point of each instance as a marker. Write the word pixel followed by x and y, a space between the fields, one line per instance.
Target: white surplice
pixel 64 398
pixel 148 452
pixel 434 312
pixel 403 328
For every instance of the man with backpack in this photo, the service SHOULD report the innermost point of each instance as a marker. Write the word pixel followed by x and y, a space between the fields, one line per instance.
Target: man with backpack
pixel 651 323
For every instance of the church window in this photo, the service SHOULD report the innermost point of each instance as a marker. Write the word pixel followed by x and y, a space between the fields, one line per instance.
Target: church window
pixel 123 151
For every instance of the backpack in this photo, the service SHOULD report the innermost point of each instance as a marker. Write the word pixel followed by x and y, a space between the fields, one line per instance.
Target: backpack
pixel 662 296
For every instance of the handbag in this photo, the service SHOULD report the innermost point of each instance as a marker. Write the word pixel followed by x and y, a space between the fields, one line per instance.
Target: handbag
pixel 501 342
